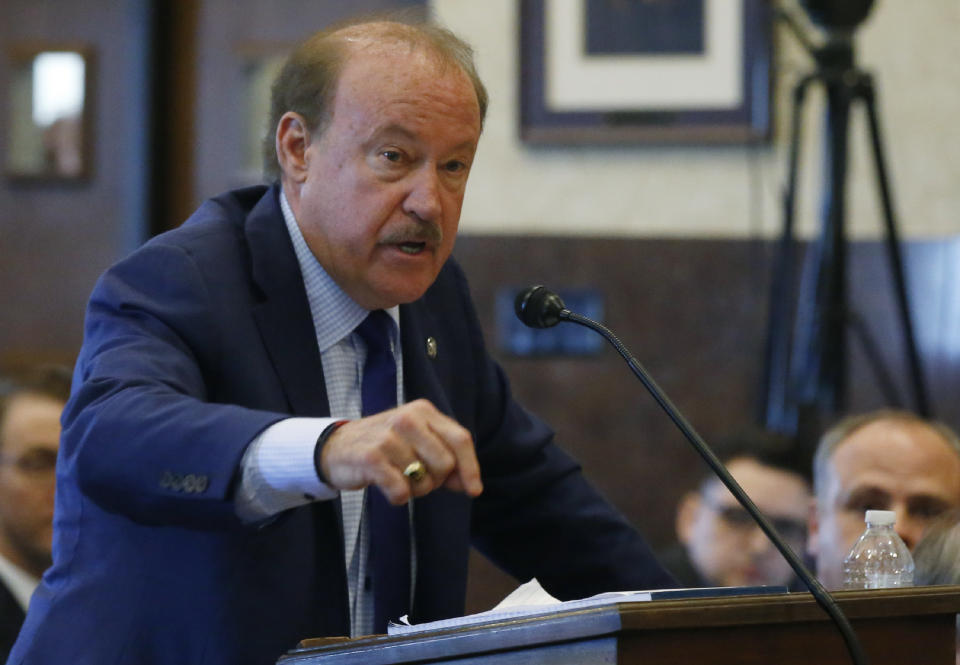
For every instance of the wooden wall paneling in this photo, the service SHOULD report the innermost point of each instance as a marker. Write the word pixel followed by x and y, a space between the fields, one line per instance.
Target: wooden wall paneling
pixel 57 237
pixel 693 314
pixel 174 97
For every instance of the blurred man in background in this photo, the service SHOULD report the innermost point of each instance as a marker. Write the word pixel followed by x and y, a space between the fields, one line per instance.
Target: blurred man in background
pixel 30 407
pixel 719 542
pixel 937 557
pixel 883 460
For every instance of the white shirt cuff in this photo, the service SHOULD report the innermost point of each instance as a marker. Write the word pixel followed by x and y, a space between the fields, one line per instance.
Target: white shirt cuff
pixel 278 471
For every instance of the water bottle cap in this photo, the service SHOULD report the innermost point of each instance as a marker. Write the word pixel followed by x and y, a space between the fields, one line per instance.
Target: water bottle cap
pixel 880 517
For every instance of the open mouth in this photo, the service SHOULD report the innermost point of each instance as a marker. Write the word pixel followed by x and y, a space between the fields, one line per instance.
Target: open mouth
pixel 412 247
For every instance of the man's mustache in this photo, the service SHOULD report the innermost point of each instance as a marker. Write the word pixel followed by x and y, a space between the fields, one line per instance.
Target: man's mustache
pixel 425 232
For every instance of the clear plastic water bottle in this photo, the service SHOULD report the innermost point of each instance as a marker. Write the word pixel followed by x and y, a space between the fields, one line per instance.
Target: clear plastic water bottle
pixel 879 559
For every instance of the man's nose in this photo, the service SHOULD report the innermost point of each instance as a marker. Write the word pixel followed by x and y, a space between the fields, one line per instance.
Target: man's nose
pixel 424 197
pixel 908 528
pixel 758 541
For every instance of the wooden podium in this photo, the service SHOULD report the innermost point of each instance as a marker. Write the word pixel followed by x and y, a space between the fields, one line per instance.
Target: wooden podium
pixel 914 626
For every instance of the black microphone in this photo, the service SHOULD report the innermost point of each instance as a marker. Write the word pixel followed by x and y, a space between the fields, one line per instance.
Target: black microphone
pixel 538 307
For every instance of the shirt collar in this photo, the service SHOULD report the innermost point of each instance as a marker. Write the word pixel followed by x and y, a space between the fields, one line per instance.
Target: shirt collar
pixel 335 314
pixel 20 583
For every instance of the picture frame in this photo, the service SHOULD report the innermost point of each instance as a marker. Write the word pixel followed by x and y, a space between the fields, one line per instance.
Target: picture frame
pixel 589 76
pixel 50 111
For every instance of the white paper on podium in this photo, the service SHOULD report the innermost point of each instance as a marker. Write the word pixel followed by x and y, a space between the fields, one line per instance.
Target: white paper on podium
pixel 530 599
pixel 527 600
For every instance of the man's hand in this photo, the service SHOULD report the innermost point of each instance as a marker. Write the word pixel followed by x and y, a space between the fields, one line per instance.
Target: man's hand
pixel 375 451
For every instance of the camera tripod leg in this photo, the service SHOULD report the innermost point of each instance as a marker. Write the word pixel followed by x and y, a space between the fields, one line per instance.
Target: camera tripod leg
pixel 872 351
pixel 820 345
pixel 775 393
pixel 892 242
pixel 809 374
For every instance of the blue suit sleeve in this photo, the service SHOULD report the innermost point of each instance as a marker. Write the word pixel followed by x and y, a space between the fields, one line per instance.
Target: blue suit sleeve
pixel 141 431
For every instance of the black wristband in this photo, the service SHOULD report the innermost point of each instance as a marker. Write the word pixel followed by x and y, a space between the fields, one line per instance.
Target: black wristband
pixel 321 442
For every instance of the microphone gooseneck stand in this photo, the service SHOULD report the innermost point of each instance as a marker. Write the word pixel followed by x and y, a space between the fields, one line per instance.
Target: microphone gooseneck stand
pixel 537 307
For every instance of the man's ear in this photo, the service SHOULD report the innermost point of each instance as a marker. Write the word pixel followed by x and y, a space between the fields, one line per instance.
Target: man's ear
pixel 686 515
pixel 813 528
pixel 293 139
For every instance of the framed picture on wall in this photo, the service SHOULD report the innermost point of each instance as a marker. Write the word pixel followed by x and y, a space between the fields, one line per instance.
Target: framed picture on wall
pixel 50 95
pixel 644 71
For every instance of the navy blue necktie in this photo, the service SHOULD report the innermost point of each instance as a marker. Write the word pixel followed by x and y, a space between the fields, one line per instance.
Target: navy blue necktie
pixel 389 560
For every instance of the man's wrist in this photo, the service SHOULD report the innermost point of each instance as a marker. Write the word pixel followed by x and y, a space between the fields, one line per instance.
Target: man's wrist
pixel 321 442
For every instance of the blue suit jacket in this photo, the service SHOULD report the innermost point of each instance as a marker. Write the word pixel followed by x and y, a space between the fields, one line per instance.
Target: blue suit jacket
pixel 193 345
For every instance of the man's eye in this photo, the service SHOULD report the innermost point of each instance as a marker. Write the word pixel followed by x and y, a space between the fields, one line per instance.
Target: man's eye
pixel 455 166
pixel 391 155
pixel 861 504
pixel 927 509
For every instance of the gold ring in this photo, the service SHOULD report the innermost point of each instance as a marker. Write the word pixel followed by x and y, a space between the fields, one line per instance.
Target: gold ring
pixel 415 471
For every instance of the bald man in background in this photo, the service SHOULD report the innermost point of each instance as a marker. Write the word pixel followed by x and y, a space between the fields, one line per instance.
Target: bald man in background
pixel 883 460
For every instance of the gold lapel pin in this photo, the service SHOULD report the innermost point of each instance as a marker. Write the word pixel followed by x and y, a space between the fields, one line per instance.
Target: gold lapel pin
pixel 431 348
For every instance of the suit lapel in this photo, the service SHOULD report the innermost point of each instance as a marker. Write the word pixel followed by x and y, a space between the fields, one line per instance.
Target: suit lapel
pixel 283 316
pixel 420 377
pixel 442 518
pixel 286 327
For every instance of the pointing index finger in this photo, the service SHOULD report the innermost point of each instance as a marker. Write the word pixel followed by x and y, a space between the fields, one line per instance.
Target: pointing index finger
pixel 460 443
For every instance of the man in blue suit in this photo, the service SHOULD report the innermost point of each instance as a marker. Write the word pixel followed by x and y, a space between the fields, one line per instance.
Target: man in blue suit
pixel 217 470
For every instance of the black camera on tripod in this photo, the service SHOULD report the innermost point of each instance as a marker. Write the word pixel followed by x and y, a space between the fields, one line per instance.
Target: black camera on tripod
pixel 837 14
pixel 806 350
